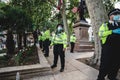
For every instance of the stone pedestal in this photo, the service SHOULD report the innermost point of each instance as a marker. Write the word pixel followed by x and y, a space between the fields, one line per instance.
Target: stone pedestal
pixel 81 31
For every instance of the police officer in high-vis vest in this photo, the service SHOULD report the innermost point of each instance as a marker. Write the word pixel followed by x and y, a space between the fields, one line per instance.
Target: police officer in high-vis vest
pixel 59 41
pixel 40 40
pixel 109 33
pixel 46 41
pixel 72 42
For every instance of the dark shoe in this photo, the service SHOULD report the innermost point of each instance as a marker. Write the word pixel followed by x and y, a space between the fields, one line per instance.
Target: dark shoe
pixel 61 70
pixel 53 66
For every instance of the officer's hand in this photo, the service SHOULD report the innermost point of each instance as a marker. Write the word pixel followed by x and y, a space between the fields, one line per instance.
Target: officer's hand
pixel 117 31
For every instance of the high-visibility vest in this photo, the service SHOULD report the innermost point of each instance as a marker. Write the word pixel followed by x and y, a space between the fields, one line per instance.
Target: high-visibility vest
pixel 46 35
pixel 104 32
pixel 39 37
pixel 60 38
pixel 72 38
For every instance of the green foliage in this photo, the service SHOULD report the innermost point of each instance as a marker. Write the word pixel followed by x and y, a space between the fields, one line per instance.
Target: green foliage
pixel 17 57
pixel 27 56
pixel 109 5
pixel 38 10
pixel 70 15
pixel 2 16
pixel 23 55
pixel 3 59
pixel 14 18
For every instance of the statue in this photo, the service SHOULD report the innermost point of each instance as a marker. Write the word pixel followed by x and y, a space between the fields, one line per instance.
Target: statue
pixel 81 10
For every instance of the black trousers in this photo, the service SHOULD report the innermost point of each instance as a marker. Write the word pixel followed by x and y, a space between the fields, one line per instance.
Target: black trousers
pixel 35 40
pixel 58 51
pixel 72 47
pixel 41 43
pixel 46 47
pixel 109 65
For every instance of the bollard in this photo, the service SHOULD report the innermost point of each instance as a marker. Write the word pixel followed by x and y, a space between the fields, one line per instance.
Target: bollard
pixel 17 76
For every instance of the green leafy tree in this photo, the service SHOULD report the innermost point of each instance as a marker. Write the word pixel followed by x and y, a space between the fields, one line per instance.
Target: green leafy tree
pixel 15 20
pixel 39 10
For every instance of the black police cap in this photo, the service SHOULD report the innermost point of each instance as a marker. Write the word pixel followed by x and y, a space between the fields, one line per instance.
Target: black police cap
pixel 114 12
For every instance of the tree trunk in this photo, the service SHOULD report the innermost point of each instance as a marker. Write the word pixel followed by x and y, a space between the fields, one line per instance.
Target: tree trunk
pixel 10 45
pixel 98 15
pixel 63 13
pixel 24 39
pixel 19 37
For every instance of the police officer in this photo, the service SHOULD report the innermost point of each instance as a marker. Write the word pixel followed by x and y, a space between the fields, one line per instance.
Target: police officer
pixel 60 43
pixel 35 36
pixel 72 42
pixel 46 41
pixel 109 33
pixel 40 40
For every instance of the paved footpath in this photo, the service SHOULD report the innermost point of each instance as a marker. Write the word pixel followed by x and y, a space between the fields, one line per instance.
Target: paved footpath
pixel 74 70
